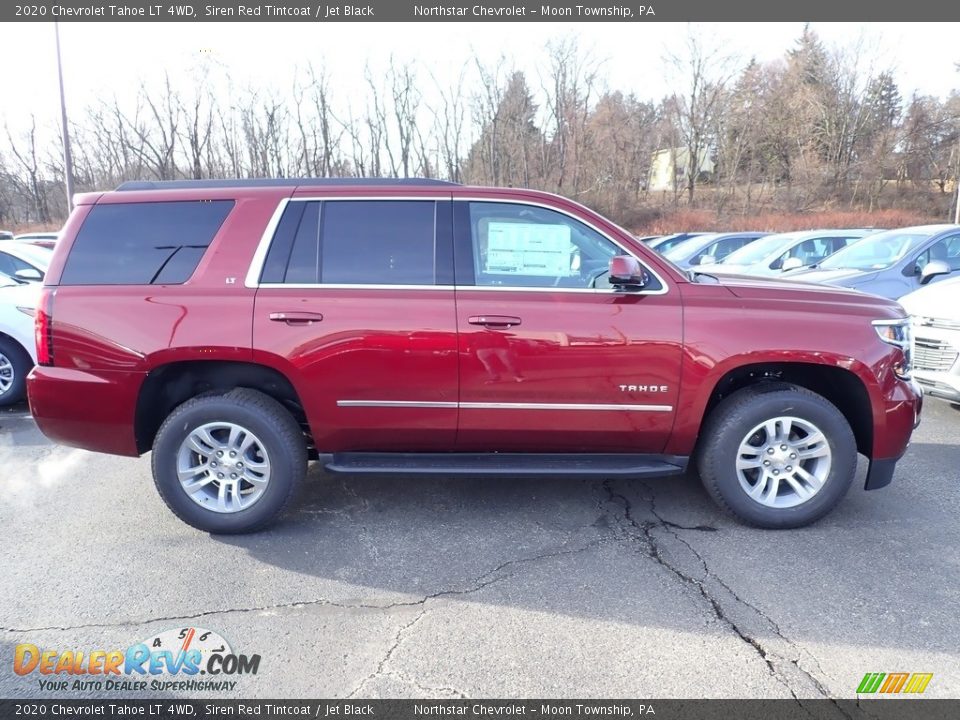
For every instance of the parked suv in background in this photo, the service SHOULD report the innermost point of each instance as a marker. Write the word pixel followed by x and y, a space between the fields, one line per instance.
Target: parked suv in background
pixel 240 328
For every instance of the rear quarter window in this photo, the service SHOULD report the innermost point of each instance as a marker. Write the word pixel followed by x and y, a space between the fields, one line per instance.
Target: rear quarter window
pixel 143 243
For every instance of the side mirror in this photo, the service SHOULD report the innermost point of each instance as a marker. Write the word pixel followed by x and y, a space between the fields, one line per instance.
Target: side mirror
pixel 29 274
pixel 793 263
pixel 707 260
pixel 626 271
pixel 932 269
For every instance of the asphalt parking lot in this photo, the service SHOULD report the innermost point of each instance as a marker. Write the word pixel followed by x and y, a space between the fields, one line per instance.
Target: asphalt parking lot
pixel 490 588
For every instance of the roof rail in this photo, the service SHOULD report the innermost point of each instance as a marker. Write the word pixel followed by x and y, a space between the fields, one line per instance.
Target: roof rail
pixel 274 182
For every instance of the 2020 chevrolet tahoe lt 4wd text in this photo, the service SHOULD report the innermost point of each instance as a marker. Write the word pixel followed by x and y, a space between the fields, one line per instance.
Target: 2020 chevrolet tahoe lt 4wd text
pixel 241 328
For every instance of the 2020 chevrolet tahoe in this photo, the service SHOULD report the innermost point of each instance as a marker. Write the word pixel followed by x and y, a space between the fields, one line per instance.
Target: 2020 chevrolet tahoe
pixel 240 329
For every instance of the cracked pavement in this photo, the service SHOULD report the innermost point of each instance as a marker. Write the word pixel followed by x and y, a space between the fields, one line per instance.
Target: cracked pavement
pixel 429 587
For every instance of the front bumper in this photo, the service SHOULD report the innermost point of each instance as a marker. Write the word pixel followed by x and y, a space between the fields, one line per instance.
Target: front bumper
pixel 906 412
pixel 936 360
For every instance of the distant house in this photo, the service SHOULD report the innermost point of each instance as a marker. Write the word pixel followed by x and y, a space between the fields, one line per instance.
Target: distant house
pixel 669 168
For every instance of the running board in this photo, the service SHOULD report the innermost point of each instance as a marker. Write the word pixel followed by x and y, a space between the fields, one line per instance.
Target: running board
pixel 506 464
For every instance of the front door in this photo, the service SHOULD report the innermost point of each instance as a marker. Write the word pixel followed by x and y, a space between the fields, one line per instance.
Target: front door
pixel 355 304
pixel 553 359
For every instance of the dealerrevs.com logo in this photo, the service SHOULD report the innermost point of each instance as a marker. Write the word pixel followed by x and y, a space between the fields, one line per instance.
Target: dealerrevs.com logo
pixel 186 659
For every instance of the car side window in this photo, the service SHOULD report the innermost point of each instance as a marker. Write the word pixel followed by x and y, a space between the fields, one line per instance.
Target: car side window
pixel 812 250
pixel 518 245
pixel 143 243
pixel 388 242
pixel 720 249
pixel 946 250
pixel 354 242
pixel 6 265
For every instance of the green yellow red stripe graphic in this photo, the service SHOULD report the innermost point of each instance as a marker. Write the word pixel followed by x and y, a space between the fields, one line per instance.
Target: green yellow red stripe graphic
pixel 892 683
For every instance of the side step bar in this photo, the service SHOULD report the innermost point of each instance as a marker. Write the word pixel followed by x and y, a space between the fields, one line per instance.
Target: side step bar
pixel 506 464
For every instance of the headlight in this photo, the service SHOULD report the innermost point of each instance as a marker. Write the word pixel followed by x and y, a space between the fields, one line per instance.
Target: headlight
pixel 897 333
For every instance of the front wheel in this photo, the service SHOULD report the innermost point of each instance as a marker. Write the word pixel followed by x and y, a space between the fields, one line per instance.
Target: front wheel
pixel 229 463
pixel 777 457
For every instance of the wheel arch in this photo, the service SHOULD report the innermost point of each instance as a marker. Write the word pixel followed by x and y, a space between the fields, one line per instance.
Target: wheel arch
pixel 169 385
pixel 842 387
pixel 18 343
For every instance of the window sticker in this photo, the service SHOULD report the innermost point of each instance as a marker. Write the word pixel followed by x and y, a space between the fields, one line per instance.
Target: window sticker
pixel 529 249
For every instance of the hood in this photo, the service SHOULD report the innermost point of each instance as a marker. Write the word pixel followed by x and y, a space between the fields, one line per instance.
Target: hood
pixel 940 300
pixel 725 269
pixel 768 292
pixel 760 269
pixel 840 276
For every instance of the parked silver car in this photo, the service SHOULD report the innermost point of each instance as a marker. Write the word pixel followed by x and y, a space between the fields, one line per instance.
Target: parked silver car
pixel 779 253
pixel 892 263
pixel 709 249
pixel 665 242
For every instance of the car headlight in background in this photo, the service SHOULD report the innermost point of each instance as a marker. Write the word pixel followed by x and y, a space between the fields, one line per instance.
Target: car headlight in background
pixel 897 333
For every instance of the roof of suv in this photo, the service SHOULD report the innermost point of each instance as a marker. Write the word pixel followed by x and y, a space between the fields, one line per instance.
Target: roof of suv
pixel 276 182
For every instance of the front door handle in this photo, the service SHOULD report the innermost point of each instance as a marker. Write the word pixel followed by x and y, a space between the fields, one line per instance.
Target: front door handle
pixel 296 318
pixel 494 321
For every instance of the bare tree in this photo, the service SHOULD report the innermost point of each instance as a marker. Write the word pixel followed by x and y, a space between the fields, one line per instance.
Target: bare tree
pixel 29 178
pixel 704 71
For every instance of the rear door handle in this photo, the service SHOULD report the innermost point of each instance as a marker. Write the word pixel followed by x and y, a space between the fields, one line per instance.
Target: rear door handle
pixel 497 321
pixel 296 318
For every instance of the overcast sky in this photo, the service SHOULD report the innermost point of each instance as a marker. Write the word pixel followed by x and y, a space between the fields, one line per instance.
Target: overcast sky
pixel 108 58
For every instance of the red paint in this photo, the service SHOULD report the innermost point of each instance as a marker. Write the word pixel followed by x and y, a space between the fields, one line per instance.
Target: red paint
pixel 382 344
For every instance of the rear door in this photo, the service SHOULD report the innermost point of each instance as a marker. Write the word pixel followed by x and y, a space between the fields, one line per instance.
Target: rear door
pixel 355 303
pixel 552 359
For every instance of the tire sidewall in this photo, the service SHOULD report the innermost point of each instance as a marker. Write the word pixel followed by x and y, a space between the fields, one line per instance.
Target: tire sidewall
pixel 221 409
pixel 765 406
pixel 21 363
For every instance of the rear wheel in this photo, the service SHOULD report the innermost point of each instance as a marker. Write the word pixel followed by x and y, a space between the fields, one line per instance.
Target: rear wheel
pixel 229 463
pixel 778 456
pixel 15 364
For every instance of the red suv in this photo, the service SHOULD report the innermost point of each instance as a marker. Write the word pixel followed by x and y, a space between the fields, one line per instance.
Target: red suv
pixel 239 329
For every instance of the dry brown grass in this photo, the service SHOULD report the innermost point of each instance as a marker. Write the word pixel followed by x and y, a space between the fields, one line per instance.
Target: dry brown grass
pixel 32 227
pixel 693 220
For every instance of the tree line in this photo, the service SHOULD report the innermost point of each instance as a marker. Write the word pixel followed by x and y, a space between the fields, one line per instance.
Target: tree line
pixel 818 128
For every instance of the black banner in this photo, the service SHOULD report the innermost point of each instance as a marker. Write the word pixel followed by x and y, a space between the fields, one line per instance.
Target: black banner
pixel 875 709
pixel 487 11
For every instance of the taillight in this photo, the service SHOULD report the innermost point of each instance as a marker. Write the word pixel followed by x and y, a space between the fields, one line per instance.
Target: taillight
pixel 43 327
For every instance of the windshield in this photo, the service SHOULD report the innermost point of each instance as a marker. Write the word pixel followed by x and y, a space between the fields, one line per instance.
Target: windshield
pixel 33 254
pixel 875 252
pixel 689 246
pixel 661 245
pixel 757 250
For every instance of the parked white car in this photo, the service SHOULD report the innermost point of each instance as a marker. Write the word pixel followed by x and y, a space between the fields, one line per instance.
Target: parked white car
pixel 24 261
pixel 935 310
pixel 17 345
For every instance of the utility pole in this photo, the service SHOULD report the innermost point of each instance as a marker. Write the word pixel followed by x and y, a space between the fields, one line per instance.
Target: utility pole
pixel 67 155
pixel 956 212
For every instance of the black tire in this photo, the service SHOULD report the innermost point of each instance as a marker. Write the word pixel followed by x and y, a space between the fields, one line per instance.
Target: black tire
pixel 280 434
pixel 21 362
pixel 735 416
